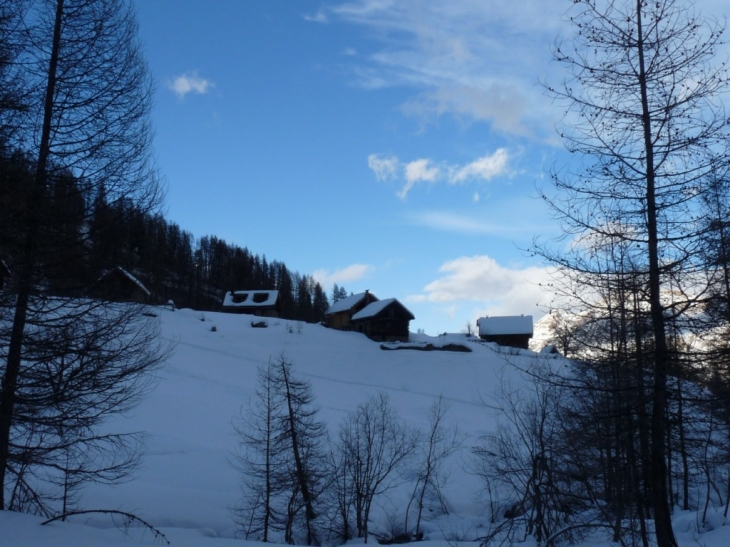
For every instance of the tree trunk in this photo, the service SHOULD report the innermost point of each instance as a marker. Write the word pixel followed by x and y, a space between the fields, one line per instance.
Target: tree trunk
pixel 25 281
pixel 662 511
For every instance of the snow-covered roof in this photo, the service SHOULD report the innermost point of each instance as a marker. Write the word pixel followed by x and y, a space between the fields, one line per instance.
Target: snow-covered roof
pixel 129 276
pixel 250 299
pixel 347 303
pixel 505 324
pixel 374 308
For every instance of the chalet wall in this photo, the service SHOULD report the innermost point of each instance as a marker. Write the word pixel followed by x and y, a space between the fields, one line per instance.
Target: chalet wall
pixel 342 320
pixel 257 312
pixel 384 329
pixel 512 340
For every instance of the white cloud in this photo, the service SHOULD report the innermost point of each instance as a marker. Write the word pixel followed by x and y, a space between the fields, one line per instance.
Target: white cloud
pixel 190 82
pixel 319 17
pixel 385 168
pixel 486 167
pixel 352 272
pixel 349 51
pixel 422 170
pixel 498 290
pixel 502 105
pixel 460 223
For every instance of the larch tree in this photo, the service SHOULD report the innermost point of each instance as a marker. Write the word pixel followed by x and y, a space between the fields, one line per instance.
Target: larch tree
pixel 643 113
pixel 283 458
pixel 262 461
pixel 68 362
pixel 302 437
pixel 11 89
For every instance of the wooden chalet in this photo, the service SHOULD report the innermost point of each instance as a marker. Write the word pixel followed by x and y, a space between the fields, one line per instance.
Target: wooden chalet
pixel 383 320
pixel 118 285
pixel 263 303
pixel 510 330
pixel 340 313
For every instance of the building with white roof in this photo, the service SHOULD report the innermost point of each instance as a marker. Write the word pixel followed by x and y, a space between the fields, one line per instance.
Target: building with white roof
pixel 263 303
pixel 506 330
pixel 363 312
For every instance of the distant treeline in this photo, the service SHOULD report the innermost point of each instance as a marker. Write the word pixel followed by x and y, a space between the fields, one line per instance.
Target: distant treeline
pixel 85 234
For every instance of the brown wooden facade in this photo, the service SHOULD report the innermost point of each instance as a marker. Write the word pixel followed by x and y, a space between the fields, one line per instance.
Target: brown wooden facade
pixel 512 340
pixel 340 313
pixel 389 323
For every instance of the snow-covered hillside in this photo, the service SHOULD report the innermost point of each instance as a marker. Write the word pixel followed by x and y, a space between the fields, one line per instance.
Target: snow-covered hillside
pixel 186 479
pixel 186 485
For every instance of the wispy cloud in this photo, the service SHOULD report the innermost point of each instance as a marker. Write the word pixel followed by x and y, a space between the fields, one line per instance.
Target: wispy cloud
pixel 190 82
pixel 384 167
pixel 472 59
pixel 484 168
pixel 476 60
pixel 422 170
pixel 496 289
pixel 352 272
pixel 460 223
pixel 319 17
pixel 502 105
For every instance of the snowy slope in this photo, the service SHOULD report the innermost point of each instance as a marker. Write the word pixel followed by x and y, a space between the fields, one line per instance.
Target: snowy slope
pixel 186 479
pixel 186 485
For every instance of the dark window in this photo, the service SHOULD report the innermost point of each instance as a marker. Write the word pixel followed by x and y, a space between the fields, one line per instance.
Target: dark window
pixel 239 298
pixel 260 297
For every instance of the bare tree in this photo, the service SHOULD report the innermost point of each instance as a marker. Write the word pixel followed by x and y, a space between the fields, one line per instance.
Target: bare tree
pixel 439 442
pixel 87 117
pixel 342 494
pixel 80 365
pixel 374 443
pixel 642 112
pixel 286 469
pixel 524 461
pixel 11 77
pixel 302 436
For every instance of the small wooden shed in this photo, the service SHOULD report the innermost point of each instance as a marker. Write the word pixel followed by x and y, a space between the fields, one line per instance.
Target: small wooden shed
pixel 262 303
pixel 339 314
pixel 508 330
pixel 384 320
pixel 118 285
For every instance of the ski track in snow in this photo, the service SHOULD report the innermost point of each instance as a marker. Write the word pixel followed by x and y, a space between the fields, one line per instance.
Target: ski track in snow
pixel 383 387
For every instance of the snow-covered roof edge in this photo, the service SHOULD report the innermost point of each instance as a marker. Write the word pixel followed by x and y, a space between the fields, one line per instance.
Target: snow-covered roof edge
pixel 129 276
pixel 348 302
pixel 374 308
pixel 505 324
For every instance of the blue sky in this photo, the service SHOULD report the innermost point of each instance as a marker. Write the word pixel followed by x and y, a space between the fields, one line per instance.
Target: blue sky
pixel 389 145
